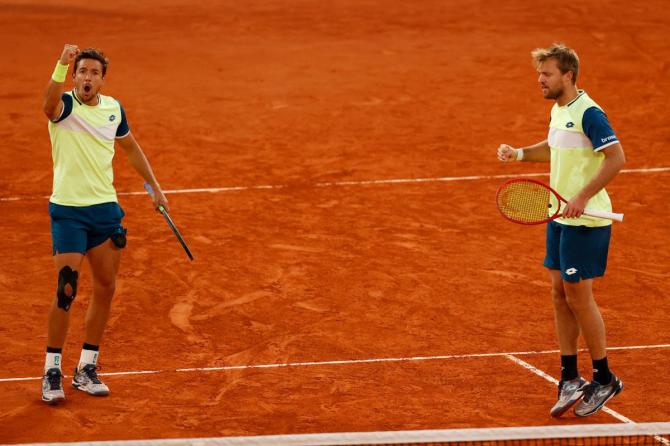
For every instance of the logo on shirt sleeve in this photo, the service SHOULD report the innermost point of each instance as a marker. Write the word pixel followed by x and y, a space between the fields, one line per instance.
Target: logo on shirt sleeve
pixel 112 118
pixel 570 125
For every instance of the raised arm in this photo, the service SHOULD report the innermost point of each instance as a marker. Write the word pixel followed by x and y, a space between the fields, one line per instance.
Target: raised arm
pixel 539 152
pixel 141 165
pixel 53 106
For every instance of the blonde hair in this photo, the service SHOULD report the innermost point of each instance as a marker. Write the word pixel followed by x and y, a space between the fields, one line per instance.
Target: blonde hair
pixel 566 58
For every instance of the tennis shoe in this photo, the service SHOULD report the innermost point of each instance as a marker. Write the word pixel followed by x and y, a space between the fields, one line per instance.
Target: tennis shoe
pixel 569 392
pixel 52 386
pixel 86 379
pixel 596 395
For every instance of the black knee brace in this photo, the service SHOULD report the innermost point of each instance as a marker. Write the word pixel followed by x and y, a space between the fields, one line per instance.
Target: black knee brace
pixel 66 276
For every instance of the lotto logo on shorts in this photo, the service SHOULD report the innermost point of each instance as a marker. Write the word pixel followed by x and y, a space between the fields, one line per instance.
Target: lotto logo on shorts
pixel 570 271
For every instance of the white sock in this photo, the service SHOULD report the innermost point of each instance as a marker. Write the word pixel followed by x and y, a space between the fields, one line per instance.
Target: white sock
pixel 88 357
pixel 53 361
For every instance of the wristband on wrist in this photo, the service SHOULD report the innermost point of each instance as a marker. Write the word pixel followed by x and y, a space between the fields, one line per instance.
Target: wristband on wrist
pixel 519 154
pixel 60 72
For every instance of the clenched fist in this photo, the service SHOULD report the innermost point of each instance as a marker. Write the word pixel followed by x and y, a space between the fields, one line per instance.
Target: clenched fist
pixel 507 153
pixel 69 53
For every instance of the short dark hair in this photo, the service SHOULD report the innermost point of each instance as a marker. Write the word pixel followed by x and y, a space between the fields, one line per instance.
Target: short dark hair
pixel 566 58
pixel 92 53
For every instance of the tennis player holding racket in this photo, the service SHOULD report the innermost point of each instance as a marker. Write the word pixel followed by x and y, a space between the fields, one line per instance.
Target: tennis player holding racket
pixel 585 155
pixel 84 127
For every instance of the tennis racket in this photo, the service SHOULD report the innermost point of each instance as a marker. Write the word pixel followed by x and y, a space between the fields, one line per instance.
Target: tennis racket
pixel 530 202
pixel 169 221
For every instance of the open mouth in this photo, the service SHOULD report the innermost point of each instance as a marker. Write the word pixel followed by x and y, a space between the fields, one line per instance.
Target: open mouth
pixel 87 88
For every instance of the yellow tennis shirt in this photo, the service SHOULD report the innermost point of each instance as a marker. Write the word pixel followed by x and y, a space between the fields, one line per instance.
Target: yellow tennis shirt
pixel 82 141
pixel 578 131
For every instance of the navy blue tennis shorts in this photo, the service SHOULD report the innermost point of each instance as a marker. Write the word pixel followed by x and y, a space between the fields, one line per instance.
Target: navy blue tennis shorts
pixel 78 229
pixel 579 252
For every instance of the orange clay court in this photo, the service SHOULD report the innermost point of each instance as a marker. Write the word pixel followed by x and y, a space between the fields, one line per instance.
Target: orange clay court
pixel 329 269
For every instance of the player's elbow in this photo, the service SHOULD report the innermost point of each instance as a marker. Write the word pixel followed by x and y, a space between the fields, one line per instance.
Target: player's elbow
pixel 47 110
pixel 621 157
pixel 50 110
pixel 615 157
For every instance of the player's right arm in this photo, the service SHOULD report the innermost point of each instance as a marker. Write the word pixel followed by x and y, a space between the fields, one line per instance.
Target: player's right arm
pixel 539 152
pixel 53 105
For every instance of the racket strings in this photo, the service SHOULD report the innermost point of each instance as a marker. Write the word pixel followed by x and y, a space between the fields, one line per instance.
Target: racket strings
pixel 525 202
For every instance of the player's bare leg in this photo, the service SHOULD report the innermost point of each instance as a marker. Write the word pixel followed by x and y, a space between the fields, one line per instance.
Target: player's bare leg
pixel 605 385
pixel 59 319
pixel 67 267
pixel 579 297
pixel 567 327
pixel 570 388
pixel 104 260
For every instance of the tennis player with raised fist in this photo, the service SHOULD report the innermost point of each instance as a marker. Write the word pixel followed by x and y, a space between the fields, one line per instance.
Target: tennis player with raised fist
pixel 84 127
pixel 585 155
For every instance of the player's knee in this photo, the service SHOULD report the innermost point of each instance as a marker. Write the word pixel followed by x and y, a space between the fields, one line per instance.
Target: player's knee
pixel 67 287
pixel 578 298
pixel 558 294
pixel 105 289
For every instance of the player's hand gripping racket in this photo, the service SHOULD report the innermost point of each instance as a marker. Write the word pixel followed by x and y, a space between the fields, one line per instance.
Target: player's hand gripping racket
pixel 170 223
pixel 530 202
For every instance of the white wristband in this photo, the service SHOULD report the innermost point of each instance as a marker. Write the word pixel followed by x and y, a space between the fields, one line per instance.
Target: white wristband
pixel 519 154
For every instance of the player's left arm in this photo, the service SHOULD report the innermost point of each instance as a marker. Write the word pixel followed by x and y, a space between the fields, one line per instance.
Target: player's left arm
pixel 598 129
pixel 140 163
pixel 614 161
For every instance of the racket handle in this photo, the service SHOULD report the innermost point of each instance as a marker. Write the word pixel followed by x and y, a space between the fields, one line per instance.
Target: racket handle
pixel 150 191
pixel 604 214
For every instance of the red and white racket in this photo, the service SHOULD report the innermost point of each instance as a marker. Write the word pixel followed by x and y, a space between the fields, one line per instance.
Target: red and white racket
pixel 530 202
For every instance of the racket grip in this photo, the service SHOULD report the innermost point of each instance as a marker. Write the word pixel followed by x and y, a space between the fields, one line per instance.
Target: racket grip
pixel 604 214
pixel 150 191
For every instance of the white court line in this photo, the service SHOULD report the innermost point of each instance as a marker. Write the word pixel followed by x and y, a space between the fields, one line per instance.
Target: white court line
pixel 344 362
pixel 350 183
